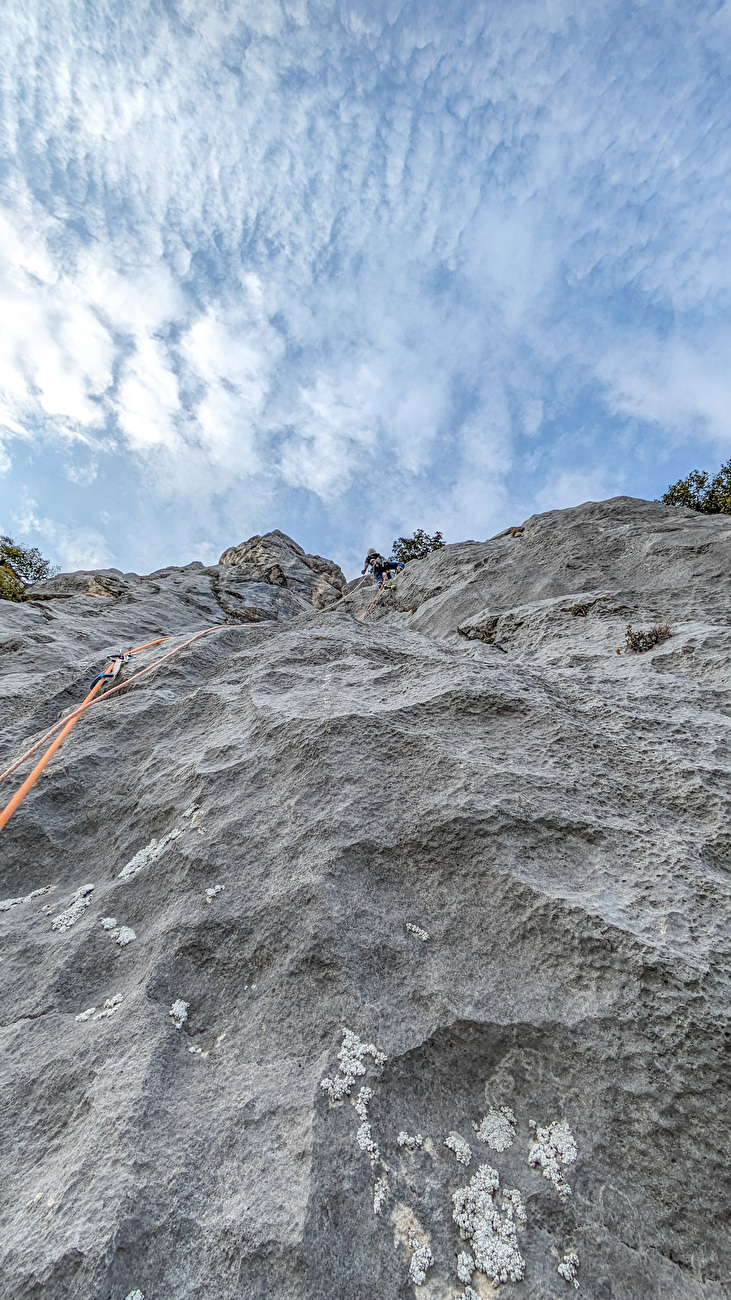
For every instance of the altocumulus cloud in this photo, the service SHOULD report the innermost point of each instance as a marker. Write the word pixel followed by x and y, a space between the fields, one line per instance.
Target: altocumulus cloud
pixel 351 268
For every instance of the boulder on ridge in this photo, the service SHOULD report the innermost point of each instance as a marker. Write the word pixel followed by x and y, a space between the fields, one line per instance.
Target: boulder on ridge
pixel 274 557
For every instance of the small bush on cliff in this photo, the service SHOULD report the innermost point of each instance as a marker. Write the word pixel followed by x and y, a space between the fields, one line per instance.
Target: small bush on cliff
pixel 10 588
pixel 641 640
pixel 19 566
pixel 416 547
pixel 711 496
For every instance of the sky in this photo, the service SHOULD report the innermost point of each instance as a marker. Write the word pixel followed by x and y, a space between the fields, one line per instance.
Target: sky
pixel 349 269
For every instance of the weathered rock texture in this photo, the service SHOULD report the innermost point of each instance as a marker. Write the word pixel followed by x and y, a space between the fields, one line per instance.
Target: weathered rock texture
pixel 275 558
pixel 473 760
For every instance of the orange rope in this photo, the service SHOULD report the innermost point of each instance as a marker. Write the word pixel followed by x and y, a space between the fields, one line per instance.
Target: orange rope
pixel 74 712
pixel 71 721
pixel 377 596
pixel 30 781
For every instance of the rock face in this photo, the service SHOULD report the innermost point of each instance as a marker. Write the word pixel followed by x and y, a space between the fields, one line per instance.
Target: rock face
pixel 275 558
pixel 397 890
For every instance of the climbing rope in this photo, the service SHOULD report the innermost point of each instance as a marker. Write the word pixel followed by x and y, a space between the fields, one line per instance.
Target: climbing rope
pixel 67 723
pixel 352 593
pixel 377 596
pixel 75 712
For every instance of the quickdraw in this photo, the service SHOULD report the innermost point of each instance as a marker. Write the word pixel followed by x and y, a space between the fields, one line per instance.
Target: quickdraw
pixel 66 724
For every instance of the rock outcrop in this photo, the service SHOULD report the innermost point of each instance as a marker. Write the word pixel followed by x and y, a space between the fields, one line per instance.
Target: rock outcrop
pixel 275 558
pixel 375 959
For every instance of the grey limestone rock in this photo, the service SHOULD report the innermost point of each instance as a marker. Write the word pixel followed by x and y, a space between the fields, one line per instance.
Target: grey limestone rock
pixel 275 558
pixel 472 759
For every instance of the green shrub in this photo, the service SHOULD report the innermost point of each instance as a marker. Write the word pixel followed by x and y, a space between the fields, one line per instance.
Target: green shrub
pixel 19 566
pixel 416 547
pixel 10 588
pixel 710 496
pixel 638 642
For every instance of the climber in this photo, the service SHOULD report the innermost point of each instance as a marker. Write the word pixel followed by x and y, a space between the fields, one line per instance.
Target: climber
pixel 379 567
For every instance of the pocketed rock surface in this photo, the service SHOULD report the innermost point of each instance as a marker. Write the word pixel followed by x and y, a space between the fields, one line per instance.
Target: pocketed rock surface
pixel 472 760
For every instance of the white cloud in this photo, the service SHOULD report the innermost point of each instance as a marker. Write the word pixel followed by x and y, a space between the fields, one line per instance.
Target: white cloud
pixel 674 385
pixel 288 248
pixel 83 547
pixel 53 349
pixel 573 487
pixel 148 400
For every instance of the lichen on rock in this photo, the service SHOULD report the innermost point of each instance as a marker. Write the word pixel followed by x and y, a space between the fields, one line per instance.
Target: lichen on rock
pixel 410 1141
pixel 497 1128
pixel 8 903
pixel 380 1193
pixel 421 1261
pixel 417 931
pixel 352 1065
pixel 569 1267
pixel 76 909
pixel 492 1235
pixel 461 1149
pixel 179 1012
pixel 553 1149
pixel 149 854
pixel 122 934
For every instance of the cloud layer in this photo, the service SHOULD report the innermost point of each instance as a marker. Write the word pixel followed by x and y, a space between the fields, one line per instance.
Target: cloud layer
pixel 349 269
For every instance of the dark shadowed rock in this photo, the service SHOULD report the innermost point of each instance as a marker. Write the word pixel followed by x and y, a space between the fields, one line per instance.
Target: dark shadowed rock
pixel 463 829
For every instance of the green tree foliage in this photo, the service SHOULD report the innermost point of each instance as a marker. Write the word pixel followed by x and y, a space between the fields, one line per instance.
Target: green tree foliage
pixel 19 566
pixel 711 496
pixel 416 547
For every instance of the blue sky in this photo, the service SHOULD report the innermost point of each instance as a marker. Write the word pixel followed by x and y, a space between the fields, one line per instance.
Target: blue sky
pixel 348 269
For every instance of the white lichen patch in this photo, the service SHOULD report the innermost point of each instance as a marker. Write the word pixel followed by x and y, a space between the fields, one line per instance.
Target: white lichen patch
pixel 109 1008
pixel 361 1104
pixel 493 1236
pixel 417 930
pixel 513 1205
pixel 135 1295
pixel 380 1193
pixel 457 1144
pixel 7 903
pixel 211 892
pixel 149 854
pixel 179 1012
pixel 497 1128
pixel 407 1230
pixel 553 1148
pixel 405 1139
pixel 352 1065
pixel 465 1266
pixel 421 1260
pixel 105 1011
pixel 569 1267
pixel 76 908
pixel 122 934
pixel 364 1136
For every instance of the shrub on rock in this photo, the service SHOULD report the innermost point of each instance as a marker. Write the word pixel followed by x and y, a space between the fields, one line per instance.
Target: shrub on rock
pixel 710 496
